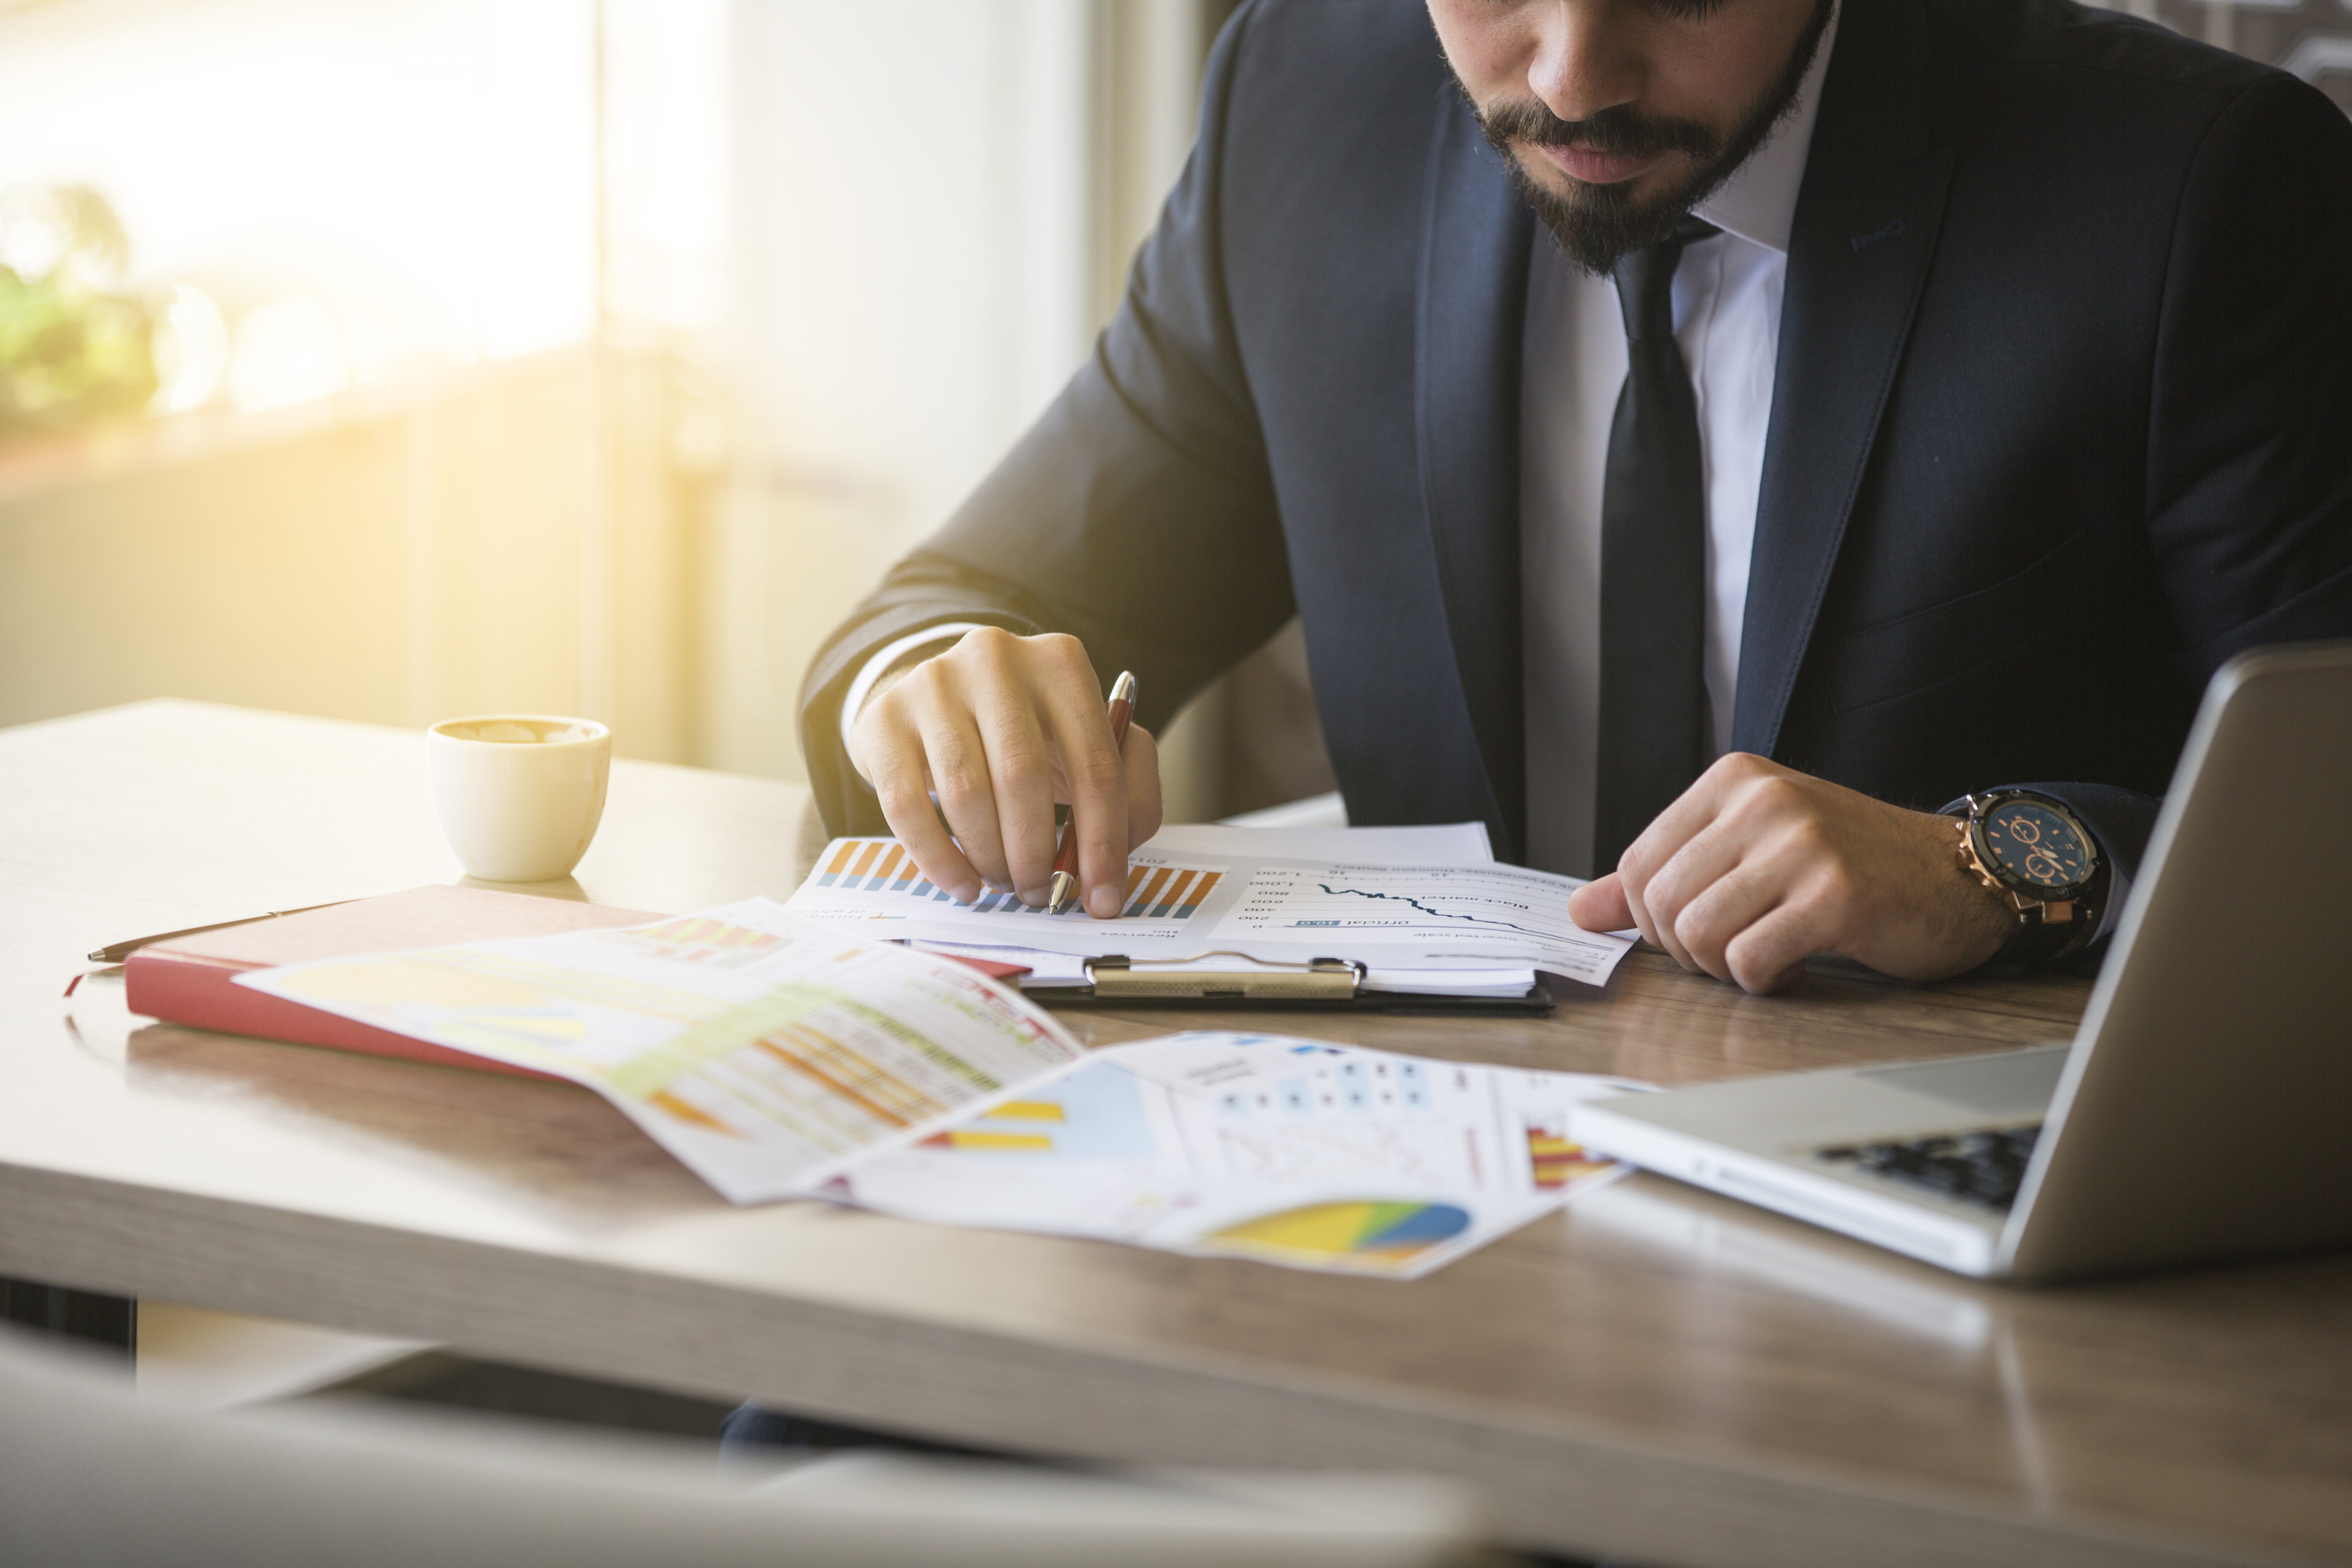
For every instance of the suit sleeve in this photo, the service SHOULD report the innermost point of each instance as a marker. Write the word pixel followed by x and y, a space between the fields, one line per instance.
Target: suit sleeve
pixel 1138 513
pixel 2249 499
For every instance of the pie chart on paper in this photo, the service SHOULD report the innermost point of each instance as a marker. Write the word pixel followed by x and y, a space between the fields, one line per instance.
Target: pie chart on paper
pixel 1354 1235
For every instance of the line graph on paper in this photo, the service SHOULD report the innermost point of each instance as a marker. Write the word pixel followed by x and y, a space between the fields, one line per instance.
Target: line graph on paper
pixel 1418 905
pixel 1500 902
pixel 866 867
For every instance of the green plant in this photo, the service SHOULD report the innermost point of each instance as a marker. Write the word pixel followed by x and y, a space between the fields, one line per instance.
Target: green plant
pixel 73 352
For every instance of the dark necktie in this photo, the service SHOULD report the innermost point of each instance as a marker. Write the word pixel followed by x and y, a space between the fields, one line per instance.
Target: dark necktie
pixel 1655 734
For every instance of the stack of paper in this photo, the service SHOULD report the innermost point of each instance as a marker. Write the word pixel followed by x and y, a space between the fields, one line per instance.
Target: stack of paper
pixel 1425 910
pixel 759 1051
pixel 777 1059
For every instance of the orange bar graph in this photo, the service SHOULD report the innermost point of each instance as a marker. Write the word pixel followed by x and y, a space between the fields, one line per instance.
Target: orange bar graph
pixel 1200 894
pixel 1171 893
pixel 1143 900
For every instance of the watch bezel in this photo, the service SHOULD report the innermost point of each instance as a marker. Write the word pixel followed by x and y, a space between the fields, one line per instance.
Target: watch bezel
pixel 1980 811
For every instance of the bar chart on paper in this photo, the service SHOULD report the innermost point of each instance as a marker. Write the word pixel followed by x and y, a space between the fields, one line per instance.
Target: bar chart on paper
pixel 753 1048
pixel 1158 891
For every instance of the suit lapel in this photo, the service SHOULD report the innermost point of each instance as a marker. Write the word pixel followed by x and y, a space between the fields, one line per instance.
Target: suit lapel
pixel 1866 229
pixel 1476 235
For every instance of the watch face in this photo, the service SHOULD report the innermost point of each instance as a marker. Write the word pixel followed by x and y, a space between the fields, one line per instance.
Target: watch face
pixel 2037 846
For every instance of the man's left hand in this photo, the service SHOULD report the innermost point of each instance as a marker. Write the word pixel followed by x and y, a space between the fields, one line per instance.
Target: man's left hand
pixel 1756 867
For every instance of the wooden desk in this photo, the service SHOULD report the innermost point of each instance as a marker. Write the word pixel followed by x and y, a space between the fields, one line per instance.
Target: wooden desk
pixel 1658 1375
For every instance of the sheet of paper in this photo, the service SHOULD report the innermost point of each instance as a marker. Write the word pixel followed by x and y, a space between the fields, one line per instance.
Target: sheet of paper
pixel 1287 1151
pixel 1185 906
pixel 1448 844
pixel 755 1047
pixel 1418 916
pixel 1045 968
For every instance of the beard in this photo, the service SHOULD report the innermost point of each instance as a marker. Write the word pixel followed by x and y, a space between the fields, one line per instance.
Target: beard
pixel 1597 225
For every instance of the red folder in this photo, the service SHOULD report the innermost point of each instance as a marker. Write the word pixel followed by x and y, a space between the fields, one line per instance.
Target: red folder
pixel 190 979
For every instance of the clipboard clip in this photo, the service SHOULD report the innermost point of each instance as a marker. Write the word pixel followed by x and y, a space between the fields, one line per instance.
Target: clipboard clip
pixel 1316 980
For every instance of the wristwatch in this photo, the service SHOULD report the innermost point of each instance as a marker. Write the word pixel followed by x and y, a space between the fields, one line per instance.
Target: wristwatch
pixel 2044 863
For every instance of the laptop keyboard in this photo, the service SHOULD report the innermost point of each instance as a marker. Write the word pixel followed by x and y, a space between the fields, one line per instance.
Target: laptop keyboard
pixel 1975 1167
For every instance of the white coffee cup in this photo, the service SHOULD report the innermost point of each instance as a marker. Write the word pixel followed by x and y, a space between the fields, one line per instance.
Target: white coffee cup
pixel 518 795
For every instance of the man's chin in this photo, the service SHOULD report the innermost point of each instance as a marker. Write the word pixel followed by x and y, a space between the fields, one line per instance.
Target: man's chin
pixel 1596 224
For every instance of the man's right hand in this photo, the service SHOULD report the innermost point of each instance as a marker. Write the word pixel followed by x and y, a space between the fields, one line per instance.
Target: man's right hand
pixel 999 728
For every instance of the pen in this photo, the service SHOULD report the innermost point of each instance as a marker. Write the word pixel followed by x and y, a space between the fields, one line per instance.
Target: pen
pixel 116 952
pixel 1066 858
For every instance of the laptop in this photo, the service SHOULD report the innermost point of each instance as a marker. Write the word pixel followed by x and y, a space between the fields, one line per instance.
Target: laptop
pixel 2203 1111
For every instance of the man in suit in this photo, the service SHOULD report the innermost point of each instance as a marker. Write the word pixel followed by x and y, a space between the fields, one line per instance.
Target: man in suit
pixel 1703 440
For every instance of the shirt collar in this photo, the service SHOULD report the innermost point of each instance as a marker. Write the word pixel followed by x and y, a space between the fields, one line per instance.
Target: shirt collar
pixel 1758 203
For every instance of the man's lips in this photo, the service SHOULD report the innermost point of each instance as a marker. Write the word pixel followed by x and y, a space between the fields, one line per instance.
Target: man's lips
pixel 1601 168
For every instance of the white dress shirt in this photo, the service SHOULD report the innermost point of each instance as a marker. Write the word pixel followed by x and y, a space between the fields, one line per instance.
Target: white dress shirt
pixel 1727 318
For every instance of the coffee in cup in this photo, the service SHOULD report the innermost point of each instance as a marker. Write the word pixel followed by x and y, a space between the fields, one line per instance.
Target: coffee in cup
pixel 518 795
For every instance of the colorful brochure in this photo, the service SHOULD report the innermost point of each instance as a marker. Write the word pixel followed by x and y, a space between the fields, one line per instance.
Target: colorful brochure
pixel 780 1059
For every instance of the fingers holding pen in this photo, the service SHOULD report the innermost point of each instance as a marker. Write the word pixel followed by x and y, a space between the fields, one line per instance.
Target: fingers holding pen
pixel 1140 759
pixel 994 730
pixel 894 757
pixel 1099 860
pixel 963 780
pixel 1020 745
pixel 920 745
pixel 1089 745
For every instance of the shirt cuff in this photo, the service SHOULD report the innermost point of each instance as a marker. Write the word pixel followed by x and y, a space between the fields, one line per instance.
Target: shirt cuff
pixel 853 701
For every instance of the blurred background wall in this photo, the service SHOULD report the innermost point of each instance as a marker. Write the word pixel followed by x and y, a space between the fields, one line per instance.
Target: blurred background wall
pixel 394 359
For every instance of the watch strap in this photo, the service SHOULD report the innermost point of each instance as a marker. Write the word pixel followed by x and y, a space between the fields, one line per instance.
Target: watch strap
pixel 2043 934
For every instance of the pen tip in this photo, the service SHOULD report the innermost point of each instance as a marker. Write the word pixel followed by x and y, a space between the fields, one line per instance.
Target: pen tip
pixel 1123 688
pixel 1058 898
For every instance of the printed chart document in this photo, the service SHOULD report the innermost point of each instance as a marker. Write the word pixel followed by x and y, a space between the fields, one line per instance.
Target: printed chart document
pixel 779 1059
pixel 1263 1146
pixel 1182 904
pixel 756 1049
pixel 1448 844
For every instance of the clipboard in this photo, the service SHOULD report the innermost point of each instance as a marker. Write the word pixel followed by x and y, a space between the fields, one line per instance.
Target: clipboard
pixel 1318 984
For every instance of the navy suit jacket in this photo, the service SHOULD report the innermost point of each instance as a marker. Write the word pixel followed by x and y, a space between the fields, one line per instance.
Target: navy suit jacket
pixel 2062 418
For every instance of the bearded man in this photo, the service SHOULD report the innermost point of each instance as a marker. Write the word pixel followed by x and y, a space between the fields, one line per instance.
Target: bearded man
pixel 1703 439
